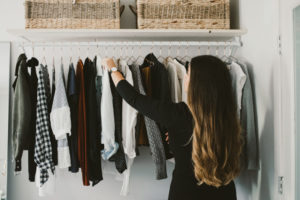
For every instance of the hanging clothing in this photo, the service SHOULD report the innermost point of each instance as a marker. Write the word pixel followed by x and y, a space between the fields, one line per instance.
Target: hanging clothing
pixel 60 113
pixel 22 113
pixel 139 121
pixel 238 78
pixel 160 90
pixel 155 140
pixel 177 118
pixel 175 87
pixel 146 75
pixel 119 156
pixel 98 83
pixel 107 119
pixel 142 136
pixel 33 63
pixel 72 93
pixel 43 149
pixel 129 119
pixel 61 119
pixel 187 64
pixel 47 188
pixel 93 136
pixel 248 122
pixel 49 98
pixel 181 72
pixel 82 126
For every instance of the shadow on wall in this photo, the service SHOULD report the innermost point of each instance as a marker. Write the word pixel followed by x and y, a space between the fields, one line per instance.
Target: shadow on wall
pixel 248 182
pixel 234 14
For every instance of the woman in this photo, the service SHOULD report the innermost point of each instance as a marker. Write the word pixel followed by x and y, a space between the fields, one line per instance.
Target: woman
pixel 204 134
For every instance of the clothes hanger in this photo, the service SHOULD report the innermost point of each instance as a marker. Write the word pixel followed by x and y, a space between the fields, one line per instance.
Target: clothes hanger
pixel 79 52
pixel 99 60
pixel 44 58
pixel 169 50
pixel 217 51
pixel 53 62
pixel 61 57
pixel 225 58
pixel 177 55
pixel 131 59
pixel 122 57
pixel 186 57
pixel 140 50
pixel 71 59
pixel 105 57
pixel 121 60
pixel 32 62
pixel 229 58
pixel 160 57
pixel 208 50
pixel 114 52
pixel 22 49
pixel 87 52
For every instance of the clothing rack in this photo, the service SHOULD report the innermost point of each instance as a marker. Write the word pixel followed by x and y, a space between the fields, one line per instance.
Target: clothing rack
pixel 228 47
pixel 130 43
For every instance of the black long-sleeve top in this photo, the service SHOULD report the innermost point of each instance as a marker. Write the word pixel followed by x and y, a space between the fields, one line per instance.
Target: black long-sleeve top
pixel 178 120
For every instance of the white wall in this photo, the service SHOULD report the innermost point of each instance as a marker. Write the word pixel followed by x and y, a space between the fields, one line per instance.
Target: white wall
pixel 260 49
pixel 289 70
pixel 4 101
pixel 260 17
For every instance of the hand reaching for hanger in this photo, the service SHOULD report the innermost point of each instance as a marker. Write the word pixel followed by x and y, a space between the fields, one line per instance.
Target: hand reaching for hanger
pixel 116 76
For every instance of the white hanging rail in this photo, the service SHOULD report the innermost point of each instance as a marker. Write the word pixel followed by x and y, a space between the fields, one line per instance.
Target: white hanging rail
pixel 46 35
pixel 131 43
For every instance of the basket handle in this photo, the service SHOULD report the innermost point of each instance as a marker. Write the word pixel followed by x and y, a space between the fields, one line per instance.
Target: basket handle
pixel 122 8
pixel 133 9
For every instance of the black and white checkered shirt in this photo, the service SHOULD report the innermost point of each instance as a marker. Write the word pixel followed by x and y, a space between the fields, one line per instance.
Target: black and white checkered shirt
pixel 43 150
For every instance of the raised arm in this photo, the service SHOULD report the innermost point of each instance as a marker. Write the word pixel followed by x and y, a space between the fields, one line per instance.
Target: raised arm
pixel 164 113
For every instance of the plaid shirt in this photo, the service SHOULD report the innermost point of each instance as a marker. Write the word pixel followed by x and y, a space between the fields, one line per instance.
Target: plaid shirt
pixel 43 150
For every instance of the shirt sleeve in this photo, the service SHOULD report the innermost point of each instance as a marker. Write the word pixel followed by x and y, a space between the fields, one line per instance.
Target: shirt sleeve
pixel 162 112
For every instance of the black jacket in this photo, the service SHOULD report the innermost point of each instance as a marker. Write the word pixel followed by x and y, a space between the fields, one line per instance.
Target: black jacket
pixel 22 111
pixel 93 132
pixel 32 63
pixel 72 93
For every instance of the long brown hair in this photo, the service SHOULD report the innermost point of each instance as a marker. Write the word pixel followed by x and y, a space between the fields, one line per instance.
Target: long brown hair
pixel 217 141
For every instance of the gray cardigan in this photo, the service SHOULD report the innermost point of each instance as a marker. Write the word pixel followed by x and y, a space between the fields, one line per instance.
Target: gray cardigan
pixel 153 132
pixel 248 122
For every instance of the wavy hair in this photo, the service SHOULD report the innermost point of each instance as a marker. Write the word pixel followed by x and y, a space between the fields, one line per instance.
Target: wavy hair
pixel 217 141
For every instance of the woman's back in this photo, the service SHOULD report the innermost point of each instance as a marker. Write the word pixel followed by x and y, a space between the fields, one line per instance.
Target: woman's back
pixel 184 184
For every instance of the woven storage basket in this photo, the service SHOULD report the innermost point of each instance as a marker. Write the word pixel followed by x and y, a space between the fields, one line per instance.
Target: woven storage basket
pixel 66 14
pixel 183 14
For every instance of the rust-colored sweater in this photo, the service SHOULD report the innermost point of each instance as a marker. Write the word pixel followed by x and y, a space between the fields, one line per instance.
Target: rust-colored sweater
pixel 82 128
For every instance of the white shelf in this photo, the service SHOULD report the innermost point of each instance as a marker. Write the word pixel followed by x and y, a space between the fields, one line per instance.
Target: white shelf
pixel 86 35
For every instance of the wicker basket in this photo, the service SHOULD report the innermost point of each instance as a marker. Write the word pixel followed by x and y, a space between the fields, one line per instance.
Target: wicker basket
pixel 72 14
pixel 183 14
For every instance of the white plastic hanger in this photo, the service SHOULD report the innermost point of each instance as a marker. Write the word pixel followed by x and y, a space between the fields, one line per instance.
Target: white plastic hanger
pixel 61 58
pixel 160 57
pixel 140 51
pixel 71 59
pixel 44 58
pixel 186 57
pixel 131 59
